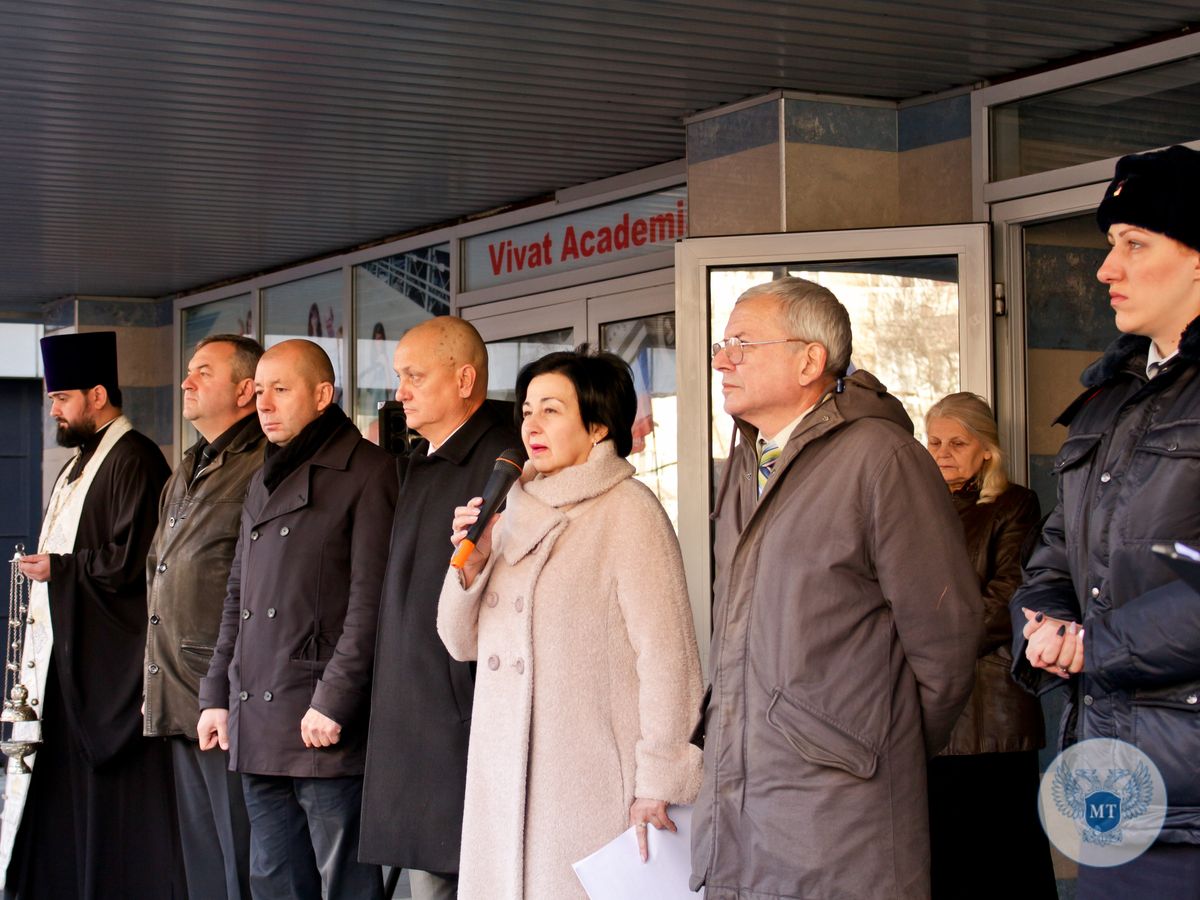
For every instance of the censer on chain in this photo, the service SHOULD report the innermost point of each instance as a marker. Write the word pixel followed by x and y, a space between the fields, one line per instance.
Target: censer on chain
pixel 19 725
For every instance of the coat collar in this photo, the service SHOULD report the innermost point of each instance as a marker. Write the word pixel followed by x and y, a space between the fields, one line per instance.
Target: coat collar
pixel 1126 357
pixel 293 492
pixel 1128 353
pixel 540 505
pixel 460 444
pixel 249 437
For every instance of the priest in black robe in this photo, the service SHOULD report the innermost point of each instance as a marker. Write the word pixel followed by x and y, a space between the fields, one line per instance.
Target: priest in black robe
pixel 96 818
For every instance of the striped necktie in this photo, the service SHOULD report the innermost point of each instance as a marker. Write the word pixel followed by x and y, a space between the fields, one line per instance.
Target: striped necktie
pixel 767 458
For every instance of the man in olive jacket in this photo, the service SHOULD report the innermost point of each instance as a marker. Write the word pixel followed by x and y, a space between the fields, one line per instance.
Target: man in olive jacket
pixel 289 685
pixel 421 714
pixel 186 572
pixel 846 623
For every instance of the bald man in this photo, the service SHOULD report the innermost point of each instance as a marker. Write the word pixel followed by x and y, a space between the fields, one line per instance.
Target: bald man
pixel 420 720
pixel 288 689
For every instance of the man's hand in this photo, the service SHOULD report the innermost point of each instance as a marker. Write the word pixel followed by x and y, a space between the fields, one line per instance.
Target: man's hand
pixel 213 729
pixel 318 730
pixel 1054 644
pixel 36 566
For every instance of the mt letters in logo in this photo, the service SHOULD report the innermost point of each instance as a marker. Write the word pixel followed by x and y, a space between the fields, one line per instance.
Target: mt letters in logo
pixel 1102 802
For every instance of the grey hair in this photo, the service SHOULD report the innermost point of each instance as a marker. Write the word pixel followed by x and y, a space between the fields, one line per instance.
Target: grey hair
pixel 973 413
pixel 812 313
pixel 246 353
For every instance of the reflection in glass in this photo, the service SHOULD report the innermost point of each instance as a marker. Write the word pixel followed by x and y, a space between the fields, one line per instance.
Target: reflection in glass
pixel 391 295
pixel 903 315
pixel 309 308
pixel 233 315
pixel 1127 113
pixel 506 358
pixel 648 345
pixel 1068 323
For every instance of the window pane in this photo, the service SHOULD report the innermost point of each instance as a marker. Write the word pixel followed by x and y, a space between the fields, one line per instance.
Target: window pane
pixel 234 315
pixel 1068 323
pixel 648 345
pixel 391 295
pixel 508 356
pixel 903 315
pixel 309 308
pixel 1124 114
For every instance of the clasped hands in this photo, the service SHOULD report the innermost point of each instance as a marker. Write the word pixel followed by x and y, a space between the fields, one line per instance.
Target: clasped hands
pixel 1055 645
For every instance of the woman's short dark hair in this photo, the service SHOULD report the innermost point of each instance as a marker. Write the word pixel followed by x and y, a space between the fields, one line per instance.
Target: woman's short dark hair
pixel 603 384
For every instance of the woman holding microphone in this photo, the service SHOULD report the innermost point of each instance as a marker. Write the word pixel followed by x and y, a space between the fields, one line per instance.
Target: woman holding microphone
pixel 574 604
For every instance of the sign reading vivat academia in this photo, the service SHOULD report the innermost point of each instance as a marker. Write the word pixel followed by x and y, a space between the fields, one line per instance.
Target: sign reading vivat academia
pixel 632 227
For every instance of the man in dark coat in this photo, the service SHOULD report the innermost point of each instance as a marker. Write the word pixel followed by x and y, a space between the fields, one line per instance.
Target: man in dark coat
pixel 94 773
pixel 288 689
pixel 186 573
pixel 421 710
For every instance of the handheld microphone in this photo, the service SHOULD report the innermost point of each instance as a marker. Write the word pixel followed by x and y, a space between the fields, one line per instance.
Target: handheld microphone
pixel 506 471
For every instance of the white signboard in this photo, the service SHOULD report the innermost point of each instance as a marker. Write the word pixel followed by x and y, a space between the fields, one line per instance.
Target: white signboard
pixel 631 227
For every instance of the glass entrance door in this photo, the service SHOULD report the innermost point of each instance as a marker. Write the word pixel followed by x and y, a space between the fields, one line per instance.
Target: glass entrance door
pixel 632 317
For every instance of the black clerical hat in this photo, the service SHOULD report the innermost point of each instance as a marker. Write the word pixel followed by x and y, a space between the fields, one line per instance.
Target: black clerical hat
pixel 76 362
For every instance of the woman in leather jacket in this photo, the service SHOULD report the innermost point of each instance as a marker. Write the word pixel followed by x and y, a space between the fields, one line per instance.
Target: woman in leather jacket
pixel 1099 612
pixel 994 745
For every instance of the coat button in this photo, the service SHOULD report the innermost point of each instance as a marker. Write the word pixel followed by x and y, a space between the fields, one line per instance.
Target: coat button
pixel 491 598
pixel 1087 700
pixel 1105 478
pixel 244 695
pixel 519 665
pixel 1095 592
pixel 520 603
pixel 152 669
pixel 162 567
pixel 268 696
pixel 254 535
pixel 270 612
pixel 284 531
pixel 493 662
pixel 1191 699
pixel 171 521
pixel 1171 448
pixel 154 620
pixel 246 614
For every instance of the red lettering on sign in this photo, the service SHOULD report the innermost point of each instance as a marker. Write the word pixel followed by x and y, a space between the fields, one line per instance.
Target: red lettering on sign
pixel 570 248
pixel 638 232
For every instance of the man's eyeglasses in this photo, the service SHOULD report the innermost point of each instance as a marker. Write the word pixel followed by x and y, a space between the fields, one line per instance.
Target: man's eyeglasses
pixel 735 350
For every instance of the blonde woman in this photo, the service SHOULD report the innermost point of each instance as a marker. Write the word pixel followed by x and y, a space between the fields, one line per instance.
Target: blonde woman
pixel 994 744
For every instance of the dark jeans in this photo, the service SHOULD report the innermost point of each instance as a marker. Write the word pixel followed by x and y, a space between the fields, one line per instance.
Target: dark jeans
pixel 304 838
pixel 213 826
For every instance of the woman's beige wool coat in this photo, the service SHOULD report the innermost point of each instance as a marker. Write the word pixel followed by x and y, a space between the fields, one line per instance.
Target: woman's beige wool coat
pixel 588 683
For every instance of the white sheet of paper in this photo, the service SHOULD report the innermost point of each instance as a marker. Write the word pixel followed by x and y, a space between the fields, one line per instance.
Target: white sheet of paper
pixel 1186 551
pixel 616 871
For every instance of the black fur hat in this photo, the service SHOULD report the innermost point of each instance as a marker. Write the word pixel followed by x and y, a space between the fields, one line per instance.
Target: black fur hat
pixel 1158 191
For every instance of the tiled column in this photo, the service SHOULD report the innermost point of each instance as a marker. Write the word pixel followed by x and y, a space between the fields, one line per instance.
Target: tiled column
pixel 803 163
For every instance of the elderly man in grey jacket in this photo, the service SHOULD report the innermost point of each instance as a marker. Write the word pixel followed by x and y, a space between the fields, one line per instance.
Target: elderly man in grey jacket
pixel 846 622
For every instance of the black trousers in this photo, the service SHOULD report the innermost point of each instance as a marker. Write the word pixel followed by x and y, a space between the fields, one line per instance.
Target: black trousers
pixel 213 826
pixel 985 836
